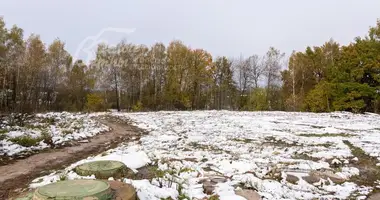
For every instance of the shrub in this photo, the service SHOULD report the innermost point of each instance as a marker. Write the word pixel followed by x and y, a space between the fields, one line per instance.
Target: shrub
pixel 94 103
pixel 137 107
pixel 26 141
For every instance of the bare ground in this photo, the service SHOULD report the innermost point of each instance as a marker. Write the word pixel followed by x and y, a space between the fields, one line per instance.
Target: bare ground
pixel 15 177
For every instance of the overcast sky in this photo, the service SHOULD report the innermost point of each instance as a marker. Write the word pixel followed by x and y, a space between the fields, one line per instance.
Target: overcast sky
pixel 221 27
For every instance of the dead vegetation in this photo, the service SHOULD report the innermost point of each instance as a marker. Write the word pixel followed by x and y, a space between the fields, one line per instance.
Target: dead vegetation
pixel 325 135
pixel 369 172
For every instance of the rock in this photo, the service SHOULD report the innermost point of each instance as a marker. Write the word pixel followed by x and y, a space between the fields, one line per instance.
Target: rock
pixel 210 183
pixel 311 179
pixel 147 172
pixel 218 179
pixel 123 191
pixel 248 194
pixel 208 187
pixel 328 175
pixel 292 179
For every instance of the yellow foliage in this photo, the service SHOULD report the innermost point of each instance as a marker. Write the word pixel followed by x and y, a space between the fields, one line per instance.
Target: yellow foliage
pixel 137 107
pixel 94 102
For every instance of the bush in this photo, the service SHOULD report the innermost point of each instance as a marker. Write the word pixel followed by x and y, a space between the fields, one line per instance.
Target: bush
pixel 3 134
pixel 94 103
pixel 257 100
pixel 26 141
pixel 137 107
pixel 354 97
pixel 319 99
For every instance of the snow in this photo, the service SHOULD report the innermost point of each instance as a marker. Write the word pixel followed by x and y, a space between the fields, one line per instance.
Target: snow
pixel 336 162
pixel 132 160
pixel 147 191
pixel 61 127
pixel 256 149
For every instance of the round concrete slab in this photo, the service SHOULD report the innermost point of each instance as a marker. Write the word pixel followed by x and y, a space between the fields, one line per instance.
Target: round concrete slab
pixel 102 169
pixel 74 189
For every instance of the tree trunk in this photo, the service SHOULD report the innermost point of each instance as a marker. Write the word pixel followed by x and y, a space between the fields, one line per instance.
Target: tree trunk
pixel 117 92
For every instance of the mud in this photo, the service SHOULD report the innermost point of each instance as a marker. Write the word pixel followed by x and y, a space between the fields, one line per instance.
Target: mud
pixel 16 176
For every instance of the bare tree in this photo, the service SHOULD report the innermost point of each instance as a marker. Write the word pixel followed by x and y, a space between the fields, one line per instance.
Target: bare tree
pixel 272 71
pixel 256 69
pixel 243 75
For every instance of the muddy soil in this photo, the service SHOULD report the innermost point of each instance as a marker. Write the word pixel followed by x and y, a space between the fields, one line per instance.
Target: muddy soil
pixel 16 177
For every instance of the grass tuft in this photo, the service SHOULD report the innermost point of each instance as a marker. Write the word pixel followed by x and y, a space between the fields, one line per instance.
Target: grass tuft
pixel 26 141
pixel 244 140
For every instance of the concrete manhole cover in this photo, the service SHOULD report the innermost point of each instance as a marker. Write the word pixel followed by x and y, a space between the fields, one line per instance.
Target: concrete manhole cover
pixel 103 169
pixel 75 189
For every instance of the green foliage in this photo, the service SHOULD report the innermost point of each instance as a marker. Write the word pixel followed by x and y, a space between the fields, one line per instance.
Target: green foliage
pixel 67 131
pixel 3 131
pixel 323 78
pixel 63 177
pixel 319 99
pixel 183 197
pixel 3 134
pixel 330 78
pixel 258 100
pixel 138 107
pixel 354 97
pixel 214 197
pixel 95 102
pixel 26 141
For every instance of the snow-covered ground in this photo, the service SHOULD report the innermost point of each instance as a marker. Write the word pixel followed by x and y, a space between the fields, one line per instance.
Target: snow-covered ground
pixel 19 137
pixel 259 150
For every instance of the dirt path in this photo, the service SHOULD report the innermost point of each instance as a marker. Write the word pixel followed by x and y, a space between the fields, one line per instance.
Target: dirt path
pixel 16 176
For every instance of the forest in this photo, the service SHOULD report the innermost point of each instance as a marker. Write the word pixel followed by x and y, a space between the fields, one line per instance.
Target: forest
pixel 35 77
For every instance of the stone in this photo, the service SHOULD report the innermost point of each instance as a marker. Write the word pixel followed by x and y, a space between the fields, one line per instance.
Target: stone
pixel 292 179
pixel 328 175
pixel 208 187
pixel 210 183
pixel 218 179
pixel 248 194
pixel 311 179
pixel 123 191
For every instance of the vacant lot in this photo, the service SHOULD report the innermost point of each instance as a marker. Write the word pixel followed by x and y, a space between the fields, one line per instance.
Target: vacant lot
pixel 280 155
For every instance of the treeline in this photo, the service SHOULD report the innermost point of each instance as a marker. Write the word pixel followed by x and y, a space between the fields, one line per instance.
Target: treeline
pixel 177 77
pixel 333 77
pixel 37 78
